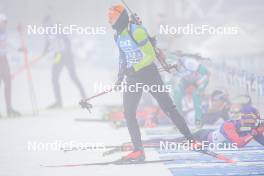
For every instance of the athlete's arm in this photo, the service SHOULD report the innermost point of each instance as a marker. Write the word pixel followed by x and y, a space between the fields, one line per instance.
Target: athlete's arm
pixel 258 134
pixel 149 55
pixel 205 75
pixel 234 137
pixel 46 47
pixel 122 66
pixel 224 114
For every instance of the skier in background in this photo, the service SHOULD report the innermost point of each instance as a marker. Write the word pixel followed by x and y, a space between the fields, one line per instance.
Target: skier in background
pixel 60 45
pixel 194 78
pixel 216 107
pixel 5 75
pixel 244 126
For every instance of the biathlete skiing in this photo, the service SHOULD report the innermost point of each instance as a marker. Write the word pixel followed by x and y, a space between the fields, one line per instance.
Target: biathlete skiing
pixel 136 63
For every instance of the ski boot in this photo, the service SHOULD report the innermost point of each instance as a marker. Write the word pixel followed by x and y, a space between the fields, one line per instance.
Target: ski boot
pixel 55 106
pixel 135 156
pixel 13 113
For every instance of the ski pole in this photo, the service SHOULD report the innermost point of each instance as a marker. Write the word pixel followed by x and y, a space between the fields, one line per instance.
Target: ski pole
pixel 29 75
pixel 24 67
pixel 130 11
pixel 134 16
pixel 159 53
pixel 174 66
pixel 99 94
pixel 86 105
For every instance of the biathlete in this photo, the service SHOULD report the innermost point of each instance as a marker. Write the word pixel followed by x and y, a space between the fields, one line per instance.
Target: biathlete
pixel 244 126
pixel 194 78
pixel 136 63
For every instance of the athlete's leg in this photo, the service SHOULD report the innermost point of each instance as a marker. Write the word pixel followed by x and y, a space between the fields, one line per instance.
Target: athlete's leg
pixel 178 95
pixel 56 71
pixel 259 139
pixel 6 77
pixel 1 74
pixel 166 103
pixel 72 72
pixel 202 135
pixel 197 106
pixel 197 101
pixel 131 101
pixel 169 108
pixel 0 86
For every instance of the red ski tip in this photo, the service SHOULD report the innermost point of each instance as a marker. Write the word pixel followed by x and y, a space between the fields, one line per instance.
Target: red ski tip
pixel 224 158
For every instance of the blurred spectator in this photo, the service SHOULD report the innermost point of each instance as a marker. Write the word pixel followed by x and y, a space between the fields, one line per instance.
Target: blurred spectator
pixel 60 45
pixel 5 75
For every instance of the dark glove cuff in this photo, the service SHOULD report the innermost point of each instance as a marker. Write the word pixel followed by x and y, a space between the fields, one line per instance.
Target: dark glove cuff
pixel 129 71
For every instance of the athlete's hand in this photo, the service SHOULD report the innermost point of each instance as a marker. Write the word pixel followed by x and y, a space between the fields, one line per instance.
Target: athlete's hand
pixel 85 105
pixel 254 132
pixel 260 130
pixel 129 71
pixel 118 82
pixel 118 85
pixel 257 131
pixel 136 19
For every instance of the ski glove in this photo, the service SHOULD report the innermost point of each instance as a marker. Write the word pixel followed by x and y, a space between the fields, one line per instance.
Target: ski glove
pixel 129 71
pixel 85 105
pixel 118 85
pixel 257 131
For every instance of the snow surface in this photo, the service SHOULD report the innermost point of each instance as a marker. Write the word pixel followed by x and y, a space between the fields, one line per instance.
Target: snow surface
pixel 17 157
pixel 59 125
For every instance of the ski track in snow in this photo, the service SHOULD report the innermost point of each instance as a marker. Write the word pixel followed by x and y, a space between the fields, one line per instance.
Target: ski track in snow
pixel 49 126
pixel 250 162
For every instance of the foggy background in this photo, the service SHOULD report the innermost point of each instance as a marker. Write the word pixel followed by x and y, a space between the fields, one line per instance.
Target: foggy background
pixel 96 60
pixel 96 55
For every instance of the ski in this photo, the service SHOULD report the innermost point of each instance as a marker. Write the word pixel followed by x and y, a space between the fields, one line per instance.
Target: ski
pixel 117 162
pixel 151 144
pixel 91 120
pixel 155 145
pixel 217 156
